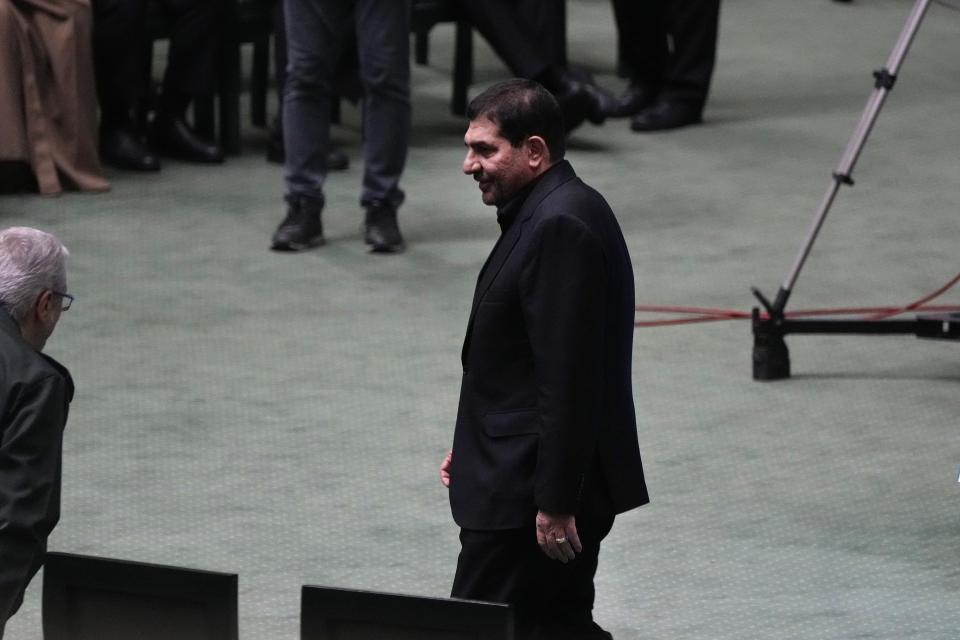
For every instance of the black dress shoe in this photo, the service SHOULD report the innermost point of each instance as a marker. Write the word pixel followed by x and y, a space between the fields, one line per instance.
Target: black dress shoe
pixel 381 230
pixel 632 101
pixel 664 114
pixel 175 138
pixel 122 149
pixel 582 99
pixel 302 228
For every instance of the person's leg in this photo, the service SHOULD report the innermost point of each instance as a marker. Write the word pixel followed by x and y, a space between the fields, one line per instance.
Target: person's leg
pixel 513 38
pixel 337 160
pixel 692 25
pixel 191 73
pixel 551 599
pixel 119 31
pixel 383 46
pixel 642 48
pixel 314 35
pixel 313 42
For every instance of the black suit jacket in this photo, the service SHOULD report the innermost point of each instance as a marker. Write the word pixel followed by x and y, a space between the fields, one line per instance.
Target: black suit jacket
pixel 35 393
pixel 546 417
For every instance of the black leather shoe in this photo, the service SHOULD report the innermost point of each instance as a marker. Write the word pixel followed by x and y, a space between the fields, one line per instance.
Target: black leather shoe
pixel 381 231
pixel 582 99
pixel 174 137
pixel 664 114
pixel 302 228
pixel 632 101
pixel 122 149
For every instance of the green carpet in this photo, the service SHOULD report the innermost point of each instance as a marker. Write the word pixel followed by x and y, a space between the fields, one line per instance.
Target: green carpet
pixel 284 416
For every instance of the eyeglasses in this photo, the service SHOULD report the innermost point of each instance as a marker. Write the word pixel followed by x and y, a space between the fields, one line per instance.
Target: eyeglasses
pixel 65 299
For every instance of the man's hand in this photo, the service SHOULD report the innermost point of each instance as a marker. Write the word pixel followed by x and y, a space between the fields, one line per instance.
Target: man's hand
pixel 445 469
pixel 557 536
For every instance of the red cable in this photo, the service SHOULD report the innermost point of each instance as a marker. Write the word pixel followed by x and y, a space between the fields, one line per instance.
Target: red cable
pixel 709 314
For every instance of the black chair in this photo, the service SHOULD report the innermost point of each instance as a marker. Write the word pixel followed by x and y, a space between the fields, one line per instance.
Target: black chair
pixel 328 613
pixel 86 598
pixel 426 15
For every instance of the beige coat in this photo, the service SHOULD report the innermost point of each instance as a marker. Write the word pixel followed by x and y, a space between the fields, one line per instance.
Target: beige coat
pixel 47 96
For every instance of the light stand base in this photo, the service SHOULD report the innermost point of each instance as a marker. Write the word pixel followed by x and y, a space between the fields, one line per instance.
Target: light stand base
pixel 771 358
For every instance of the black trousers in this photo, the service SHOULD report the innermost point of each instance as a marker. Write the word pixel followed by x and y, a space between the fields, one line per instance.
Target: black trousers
pixel 120 36
pixel 669 46
pixel 550 599
pixel 528 35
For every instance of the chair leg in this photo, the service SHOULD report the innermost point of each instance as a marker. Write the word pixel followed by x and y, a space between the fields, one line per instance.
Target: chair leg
pixel 421 47
pixel 229 89
pixel 258 81
pixel 462 68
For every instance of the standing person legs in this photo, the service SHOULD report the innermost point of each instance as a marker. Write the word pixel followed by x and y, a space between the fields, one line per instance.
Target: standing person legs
pixel 551 599
pixel 383 41
pixel 314 36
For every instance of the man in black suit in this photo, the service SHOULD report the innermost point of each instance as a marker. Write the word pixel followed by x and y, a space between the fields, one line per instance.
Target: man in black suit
pixel 669 48
pixel 35 392
pixel 545 449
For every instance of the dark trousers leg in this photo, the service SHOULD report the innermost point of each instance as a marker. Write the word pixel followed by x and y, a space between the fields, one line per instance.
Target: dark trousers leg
pixel 551 599
pixel 512 36
pixel 669 45
pixel 383 47
pixel 194 47
pixel 642 40
pixel 315 34
pixel 692 24
pixel 119 31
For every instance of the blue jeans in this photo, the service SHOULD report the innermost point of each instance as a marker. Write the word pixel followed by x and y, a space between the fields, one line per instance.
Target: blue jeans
pixel 315 34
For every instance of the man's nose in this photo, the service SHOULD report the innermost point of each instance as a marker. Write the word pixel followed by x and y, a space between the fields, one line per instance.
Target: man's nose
pixel 470 164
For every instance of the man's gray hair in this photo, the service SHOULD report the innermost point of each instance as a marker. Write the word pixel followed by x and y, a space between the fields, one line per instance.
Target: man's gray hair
pixel 31 261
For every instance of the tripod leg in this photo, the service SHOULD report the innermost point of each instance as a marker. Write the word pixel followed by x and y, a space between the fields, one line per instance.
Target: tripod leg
pixel 884 83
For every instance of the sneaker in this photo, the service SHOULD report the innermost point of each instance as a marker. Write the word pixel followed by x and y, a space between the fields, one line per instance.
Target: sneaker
pixel 381 231
pixel 302 228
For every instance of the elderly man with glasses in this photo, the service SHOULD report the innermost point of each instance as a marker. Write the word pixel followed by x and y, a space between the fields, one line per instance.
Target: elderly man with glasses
pixel 35 393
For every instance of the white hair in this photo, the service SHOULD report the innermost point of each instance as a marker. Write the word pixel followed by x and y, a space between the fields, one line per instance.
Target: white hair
pixel 31 261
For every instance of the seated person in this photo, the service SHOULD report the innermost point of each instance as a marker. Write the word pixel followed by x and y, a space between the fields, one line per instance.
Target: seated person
pixel 528 35
pixel 119 36
pixel 48 105
pixel 669 48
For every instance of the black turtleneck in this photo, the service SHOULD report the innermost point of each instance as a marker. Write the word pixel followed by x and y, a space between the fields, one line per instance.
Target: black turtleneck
pixel 507 213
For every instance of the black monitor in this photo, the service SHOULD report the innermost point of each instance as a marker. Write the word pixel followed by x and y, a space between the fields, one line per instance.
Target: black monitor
pixel 344 614
pixel 87 598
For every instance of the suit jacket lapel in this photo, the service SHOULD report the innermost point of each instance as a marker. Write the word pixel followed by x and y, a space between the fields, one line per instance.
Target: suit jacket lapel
pixel 557 175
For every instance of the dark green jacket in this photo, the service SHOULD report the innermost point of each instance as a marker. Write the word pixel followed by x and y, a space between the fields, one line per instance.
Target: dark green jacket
pixel 35 393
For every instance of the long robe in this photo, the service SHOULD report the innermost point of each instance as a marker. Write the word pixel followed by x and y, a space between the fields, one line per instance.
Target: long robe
pixel 48 105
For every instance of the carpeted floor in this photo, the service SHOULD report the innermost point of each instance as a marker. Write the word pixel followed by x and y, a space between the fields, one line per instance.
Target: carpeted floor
pixel 284 416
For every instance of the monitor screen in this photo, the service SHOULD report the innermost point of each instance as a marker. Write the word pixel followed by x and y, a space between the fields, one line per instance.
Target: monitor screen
pixel 345 614
pixel 88 598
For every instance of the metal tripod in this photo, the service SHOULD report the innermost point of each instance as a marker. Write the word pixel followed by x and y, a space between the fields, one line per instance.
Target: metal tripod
pixel 771 359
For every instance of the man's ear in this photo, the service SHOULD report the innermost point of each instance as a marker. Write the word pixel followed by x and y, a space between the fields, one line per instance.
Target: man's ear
pixel 538 154
pixel 43 308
